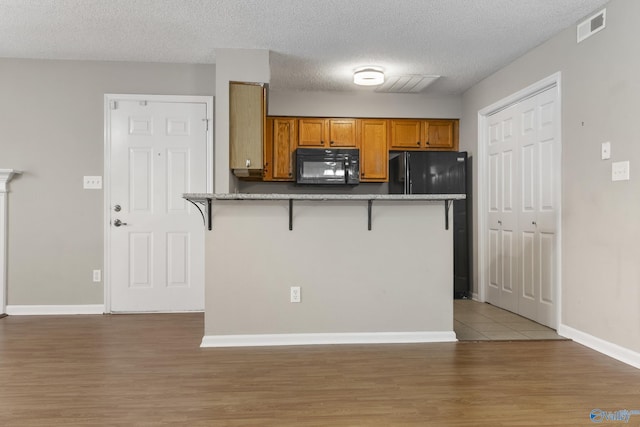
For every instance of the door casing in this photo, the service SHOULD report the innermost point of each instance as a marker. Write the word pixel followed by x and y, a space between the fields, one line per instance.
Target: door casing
pixel 108 98
pixel 553 80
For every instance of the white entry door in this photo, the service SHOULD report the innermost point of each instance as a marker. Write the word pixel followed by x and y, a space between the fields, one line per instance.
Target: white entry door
pixel 157 151
pixel 523 153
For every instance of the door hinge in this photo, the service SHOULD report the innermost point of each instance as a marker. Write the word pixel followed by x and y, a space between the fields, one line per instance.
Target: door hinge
pixel 206 122
pixel 113 105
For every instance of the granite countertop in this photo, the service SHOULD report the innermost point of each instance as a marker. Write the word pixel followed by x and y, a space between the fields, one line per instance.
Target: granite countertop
pixel 282 196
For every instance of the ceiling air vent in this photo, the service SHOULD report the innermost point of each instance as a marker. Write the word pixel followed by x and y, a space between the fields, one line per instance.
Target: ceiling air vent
pixel 592 25
pixel 406 84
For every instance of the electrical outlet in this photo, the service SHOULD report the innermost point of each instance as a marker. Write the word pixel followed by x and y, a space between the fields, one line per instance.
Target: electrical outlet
pixel 92 182
pixel 97 275
pixel 620 171
pixel 295 294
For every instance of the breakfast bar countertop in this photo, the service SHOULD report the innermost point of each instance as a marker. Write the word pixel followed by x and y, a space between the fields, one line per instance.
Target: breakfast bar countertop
pixel 205 200
pixel 284 196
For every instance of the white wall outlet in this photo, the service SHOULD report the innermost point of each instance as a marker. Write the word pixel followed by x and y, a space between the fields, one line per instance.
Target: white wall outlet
pixel 605 151
pixel 620 171
pixel 97 275
pixel 92 183
pixel 295 294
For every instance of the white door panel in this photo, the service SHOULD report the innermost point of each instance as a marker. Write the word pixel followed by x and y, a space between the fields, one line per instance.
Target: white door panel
pixel 157 153
pixel 503 288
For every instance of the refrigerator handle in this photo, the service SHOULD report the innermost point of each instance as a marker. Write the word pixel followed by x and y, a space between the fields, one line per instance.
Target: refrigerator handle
pixel 408 186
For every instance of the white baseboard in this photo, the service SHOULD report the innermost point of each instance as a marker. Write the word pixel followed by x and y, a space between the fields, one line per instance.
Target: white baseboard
pixel 41 310
pixel 620 353
pixel 322 338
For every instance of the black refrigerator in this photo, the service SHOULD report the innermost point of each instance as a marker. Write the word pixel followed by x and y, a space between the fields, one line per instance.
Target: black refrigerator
pixel 440 172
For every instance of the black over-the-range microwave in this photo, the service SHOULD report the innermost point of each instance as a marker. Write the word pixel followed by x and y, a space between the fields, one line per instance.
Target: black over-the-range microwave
pixel 327 166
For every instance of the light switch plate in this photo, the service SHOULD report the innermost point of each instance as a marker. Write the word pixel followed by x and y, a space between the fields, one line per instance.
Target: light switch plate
pixel 605 152
pixel 620 171
pixel 92 183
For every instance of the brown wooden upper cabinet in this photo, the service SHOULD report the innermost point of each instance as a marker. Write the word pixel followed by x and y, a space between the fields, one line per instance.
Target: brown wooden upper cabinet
pixel 374 153
pixel 408 134
pixel 279 148
pixel 327 133
pixel 441 134
pixel 247 112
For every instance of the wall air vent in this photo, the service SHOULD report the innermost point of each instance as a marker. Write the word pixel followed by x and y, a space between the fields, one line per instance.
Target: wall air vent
pixel 413 83
pixel 592 25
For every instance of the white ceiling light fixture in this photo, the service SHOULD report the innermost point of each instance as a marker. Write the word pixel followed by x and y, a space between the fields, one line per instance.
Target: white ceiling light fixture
pixel 368 76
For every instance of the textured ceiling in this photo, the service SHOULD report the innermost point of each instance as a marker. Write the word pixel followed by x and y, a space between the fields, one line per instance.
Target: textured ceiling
pixel 314 44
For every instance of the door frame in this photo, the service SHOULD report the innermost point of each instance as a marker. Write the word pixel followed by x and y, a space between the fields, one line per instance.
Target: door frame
pixel 552 81
pixel 108 99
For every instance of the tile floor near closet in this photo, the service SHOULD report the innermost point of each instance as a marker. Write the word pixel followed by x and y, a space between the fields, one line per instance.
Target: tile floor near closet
pixel 477 321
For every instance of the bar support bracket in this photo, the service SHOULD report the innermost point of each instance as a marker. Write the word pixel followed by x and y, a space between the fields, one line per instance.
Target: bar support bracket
pixel 290 214
pixel 206 214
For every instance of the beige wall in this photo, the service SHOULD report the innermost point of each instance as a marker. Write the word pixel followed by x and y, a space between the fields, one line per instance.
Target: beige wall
pixel 395 278
pixel 362 104
pixel 51 127
pixel 600 219
pixel 241 65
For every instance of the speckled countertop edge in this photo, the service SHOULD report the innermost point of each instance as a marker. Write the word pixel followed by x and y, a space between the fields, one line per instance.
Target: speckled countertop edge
pixel 281 196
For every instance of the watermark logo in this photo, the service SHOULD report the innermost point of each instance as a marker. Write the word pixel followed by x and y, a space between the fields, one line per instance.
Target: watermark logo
pixel 622 415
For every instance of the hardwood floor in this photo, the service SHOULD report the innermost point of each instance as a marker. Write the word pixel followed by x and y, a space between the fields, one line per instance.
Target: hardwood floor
pixel 148 370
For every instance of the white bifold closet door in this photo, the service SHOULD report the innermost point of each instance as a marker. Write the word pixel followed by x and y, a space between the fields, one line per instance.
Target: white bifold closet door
pixel 522 200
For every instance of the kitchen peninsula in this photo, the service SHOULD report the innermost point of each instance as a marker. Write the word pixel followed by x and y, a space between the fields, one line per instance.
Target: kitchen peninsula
pixel 370 268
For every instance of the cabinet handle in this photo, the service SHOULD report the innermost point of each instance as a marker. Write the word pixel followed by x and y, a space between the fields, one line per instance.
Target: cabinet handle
pixel 331 142
pixel 418 143
pixel 426 142
pixel 534 223
pixel 499 222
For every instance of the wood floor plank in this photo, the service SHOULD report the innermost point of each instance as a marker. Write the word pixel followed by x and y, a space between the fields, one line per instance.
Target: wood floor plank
pixel 148 370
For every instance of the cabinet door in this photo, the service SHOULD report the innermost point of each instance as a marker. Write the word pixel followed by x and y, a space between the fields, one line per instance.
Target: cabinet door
pixel 246 121
pixel 342 133
pixel 284 145
pixel 267 150
pixel 311 133
pixel 374 153
pixel 439 134
pixel 405 134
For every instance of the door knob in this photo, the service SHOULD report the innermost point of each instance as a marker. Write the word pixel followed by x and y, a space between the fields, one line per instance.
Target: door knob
pixel 117 208
pixel 118 223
